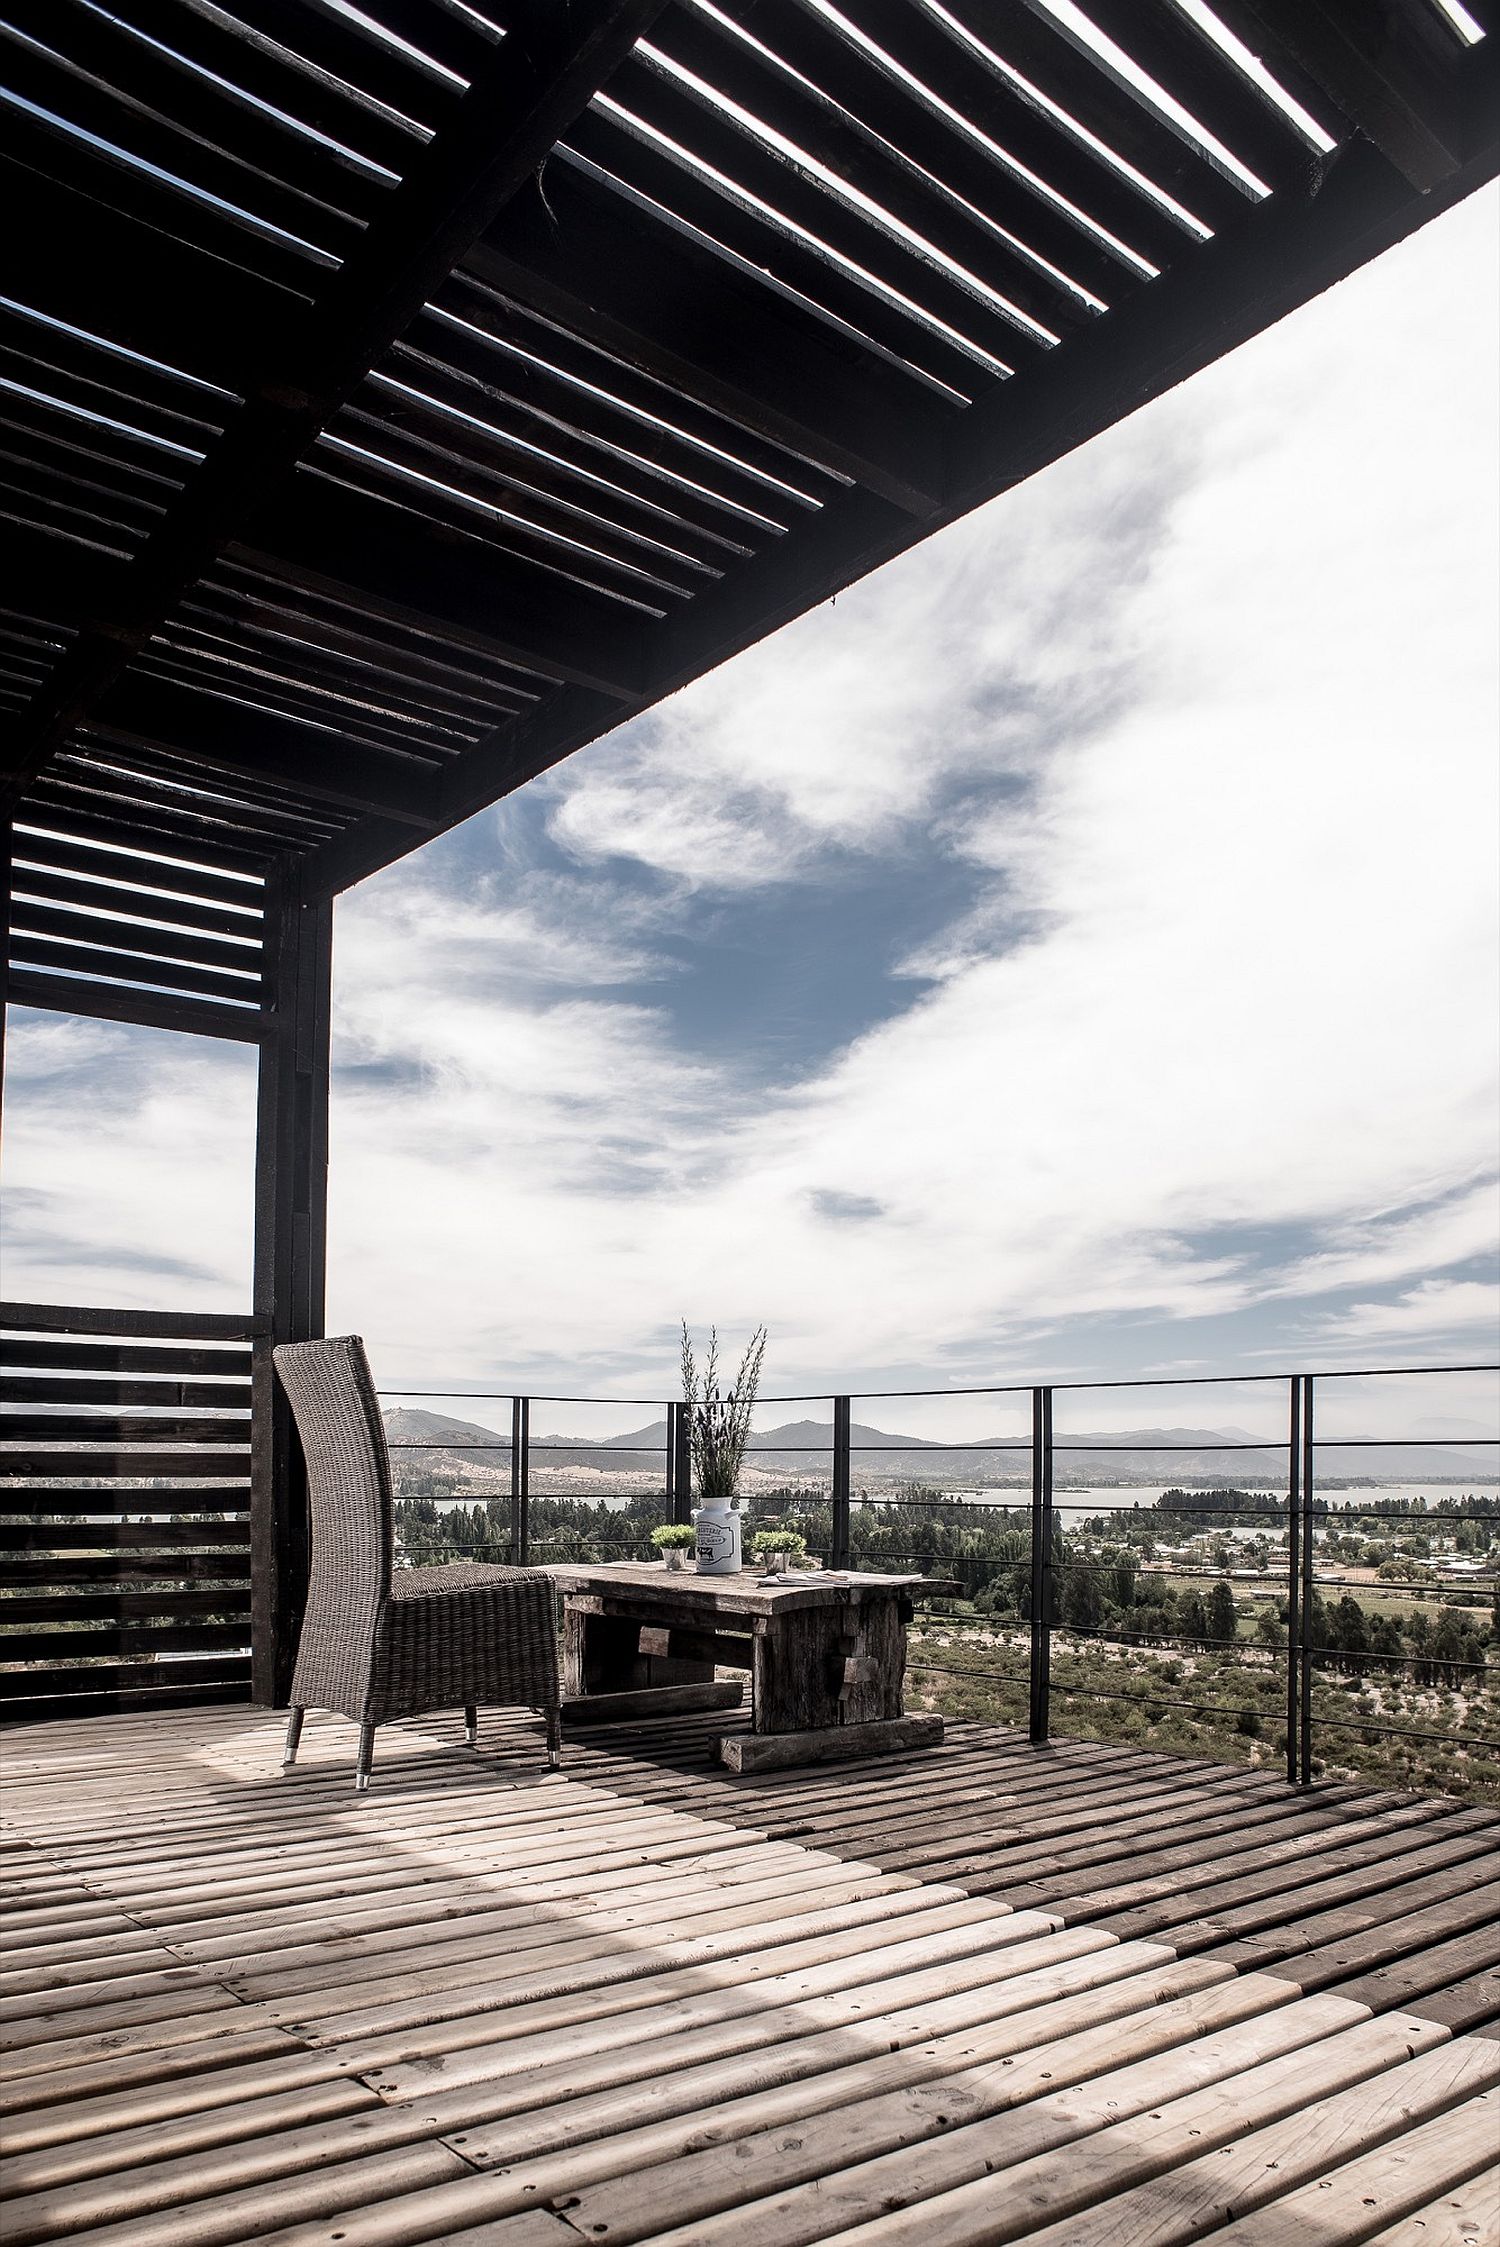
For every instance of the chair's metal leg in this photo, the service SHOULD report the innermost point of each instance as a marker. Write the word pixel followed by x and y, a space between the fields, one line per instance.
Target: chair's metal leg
pixel 293 1736
pixel 471 1725
pixel 554 1737
pixel 366 1758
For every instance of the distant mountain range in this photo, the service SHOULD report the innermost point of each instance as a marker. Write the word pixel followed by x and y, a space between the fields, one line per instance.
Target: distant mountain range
pixel 801 1447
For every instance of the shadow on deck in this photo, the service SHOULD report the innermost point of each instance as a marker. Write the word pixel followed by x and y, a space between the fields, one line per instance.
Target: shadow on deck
pixel 984 1993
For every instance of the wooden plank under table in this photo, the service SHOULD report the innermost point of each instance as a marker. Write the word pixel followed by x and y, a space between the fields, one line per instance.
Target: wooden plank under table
pixel 826 1655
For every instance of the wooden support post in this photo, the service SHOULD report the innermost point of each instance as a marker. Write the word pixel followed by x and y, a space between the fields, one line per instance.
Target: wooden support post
pixel 839 1555
pixel 7 852
pixel 1294 1582
pixel 291 1225
pixel 1309 1585
pixel 1041 1565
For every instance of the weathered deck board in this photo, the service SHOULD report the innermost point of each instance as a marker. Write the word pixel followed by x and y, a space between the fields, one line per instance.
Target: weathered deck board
pixel 1468 2216
pixel 640 2000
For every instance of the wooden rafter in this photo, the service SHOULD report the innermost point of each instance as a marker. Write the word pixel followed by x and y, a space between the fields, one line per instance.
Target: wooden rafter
pixel 545 71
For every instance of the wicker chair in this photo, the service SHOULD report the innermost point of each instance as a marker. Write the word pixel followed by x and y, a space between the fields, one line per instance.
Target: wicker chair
pixel 379 1642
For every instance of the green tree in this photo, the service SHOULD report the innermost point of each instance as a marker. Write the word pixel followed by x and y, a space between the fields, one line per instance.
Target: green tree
pixel 1385 1636
pixel 1223 1615
pixel 1350 1636
pixel 1082 1601
pixel 1192 1618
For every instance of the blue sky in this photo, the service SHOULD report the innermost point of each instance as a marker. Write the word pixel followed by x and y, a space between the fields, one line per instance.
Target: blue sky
pixel 1074 950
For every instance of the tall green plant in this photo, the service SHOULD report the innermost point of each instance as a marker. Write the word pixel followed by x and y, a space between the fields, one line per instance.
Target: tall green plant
pixel 719 1425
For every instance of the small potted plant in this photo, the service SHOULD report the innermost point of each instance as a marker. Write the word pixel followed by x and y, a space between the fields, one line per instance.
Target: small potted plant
pixel 674 1541
pixel 778 1549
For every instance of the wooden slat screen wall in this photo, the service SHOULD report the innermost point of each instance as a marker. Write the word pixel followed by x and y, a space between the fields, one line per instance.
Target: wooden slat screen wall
pixel 124 1510
pixel 111 924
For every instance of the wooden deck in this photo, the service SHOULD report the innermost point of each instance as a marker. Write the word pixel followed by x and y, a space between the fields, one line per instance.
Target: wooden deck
pixel 1080 1995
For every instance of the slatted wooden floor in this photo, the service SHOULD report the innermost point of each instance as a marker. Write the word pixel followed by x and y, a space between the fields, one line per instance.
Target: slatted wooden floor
pixel 1084 1996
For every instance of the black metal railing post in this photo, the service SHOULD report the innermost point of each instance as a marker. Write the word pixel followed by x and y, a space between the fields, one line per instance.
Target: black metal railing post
pixel 520 1480
pixel 680 1462
pixel 1041 1566
pixel 1309 1578
pixel 839 1550
pixel 670 1448
pixel 1294 1582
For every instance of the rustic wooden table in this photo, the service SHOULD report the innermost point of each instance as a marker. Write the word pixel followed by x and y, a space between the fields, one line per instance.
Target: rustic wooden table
pixel 826 1655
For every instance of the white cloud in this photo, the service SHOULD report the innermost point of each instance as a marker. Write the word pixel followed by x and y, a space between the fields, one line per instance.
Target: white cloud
pixel 1435 1309
pixel 959 661
pixel 516 926
pixel 1391 1245
pixel 128 1166
pixel 42 1047
pixel 1251 697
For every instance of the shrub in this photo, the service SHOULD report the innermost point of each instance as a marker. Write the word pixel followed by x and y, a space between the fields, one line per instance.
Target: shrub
pixel 788 1541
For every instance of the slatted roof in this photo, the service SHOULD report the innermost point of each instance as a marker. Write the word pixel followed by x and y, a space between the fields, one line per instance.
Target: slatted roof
pixel 395 396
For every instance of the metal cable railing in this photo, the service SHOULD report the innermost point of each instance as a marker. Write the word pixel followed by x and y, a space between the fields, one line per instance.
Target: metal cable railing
pixel 1175 1589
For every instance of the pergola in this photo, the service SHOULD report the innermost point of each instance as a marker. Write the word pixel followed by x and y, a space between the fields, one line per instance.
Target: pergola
pixel 396 398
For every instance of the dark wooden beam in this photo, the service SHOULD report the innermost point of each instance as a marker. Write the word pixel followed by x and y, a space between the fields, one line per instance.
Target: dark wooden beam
pixel 54 579
pixel 103 895
pixel 1279 256
pixel 116 931
pixel 7 899
pixel 423 574
pixel 542 75
pixel 362 611
pixel 671 308
pixel 1185 62
pixel 1397 72
pixel 91 958
pixel 145 713
pixel 121 861
pixel 80 261
pixel 208 822
pixel 118 1002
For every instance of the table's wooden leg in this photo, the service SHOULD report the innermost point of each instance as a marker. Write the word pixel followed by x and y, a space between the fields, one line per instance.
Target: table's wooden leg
pixel 599 1653
pixel 798 1672
pixel 818 1668
pixel 874 1662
